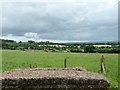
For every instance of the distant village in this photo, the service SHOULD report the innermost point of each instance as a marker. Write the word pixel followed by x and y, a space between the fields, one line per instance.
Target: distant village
pixel 108 47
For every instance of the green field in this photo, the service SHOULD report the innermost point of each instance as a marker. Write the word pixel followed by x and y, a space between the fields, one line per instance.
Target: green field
pixel 26 59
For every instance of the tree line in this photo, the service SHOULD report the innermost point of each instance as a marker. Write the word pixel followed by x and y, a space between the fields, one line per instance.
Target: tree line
pixel 56 47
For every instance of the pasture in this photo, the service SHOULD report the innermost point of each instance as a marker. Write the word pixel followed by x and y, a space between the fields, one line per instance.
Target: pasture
pixel 12 59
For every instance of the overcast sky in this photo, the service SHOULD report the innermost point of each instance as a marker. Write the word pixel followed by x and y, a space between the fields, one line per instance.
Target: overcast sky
pixel 85 21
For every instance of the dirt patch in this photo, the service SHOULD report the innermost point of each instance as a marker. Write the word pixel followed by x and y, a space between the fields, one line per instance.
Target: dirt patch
pixel 53 78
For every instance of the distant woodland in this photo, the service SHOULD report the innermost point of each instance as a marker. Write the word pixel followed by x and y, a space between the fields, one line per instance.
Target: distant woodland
pixel 108 47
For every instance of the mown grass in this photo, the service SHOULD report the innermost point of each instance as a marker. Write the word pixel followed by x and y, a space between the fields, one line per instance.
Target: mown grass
pixel 27 59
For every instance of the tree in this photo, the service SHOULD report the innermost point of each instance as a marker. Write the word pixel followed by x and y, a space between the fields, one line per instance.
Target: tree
pixel 30 41
pixel 89 49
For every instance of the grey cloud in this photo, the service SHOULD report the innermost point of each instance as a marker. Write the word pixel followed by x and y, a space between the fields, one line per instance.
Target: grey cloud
pixel 82 21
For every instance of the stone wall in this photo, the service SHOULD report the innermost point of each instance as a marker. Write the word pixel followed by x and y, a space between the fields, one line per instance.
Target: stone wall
pixel 53 79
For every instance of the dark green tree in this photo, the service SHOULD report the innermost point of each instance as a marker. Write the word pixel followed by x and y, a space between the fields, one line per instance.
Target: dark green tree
pixel 89 49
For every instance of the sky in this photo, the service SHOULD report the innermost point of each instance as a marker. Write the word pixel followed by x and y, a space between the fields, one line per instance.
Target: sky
pixel 60 21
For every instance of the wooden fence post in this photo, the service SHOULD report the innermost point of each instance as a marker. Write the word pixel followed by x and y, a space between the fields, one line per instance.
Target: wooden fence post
pixel 102 65
pixel 65 63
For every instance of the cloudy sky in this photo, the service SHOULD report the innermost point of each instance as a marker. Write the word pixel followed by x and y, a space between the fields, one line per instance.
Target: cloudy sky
pixel 83 21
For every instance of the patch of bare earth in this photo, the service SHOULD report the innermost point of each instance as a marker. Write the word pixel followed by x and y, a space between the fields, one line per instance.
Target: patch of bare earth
pixel 54 77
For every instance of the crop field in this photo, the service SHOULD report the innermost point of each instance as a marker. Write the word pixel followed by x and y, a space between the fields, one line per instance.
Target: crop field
pixel 12 59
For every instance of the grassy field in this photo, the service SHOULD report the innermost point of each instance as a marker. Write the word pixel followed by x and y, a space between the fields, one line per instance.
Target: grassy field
pixel 27 59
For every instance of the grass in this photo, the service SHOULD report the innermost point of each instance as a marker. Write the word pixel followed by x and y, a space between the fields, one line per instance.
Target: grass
pixel 27 59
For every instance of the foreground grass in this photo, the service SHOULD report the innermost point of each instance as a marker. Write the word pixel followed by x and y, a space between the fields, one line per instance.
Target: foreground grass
pixel 27 59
